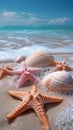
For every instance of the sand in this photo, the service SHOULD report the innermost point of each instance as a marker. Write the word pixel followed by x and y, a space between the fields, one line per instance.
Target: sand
pixel 29 120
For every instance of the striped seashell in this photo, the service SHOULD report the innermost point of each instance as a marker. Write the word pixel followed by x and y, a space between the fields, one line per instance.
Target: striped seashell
pixel 39 59
pixel 58 81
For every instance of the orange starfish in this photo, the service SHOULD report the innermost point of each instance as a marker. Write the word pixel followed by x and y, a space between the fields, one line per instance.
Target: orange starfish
pixel 5 71
pixel 35 100
pixel 62 66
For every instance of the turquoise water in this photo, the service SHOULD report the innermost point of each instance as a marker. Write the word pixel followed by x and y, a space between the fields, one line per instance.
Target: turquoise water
pixel 42 27
pixel 22 40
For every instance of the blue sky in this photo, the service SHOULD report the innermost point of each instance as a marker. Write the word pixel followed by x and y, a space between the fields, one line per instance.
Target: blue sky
pixel 36 12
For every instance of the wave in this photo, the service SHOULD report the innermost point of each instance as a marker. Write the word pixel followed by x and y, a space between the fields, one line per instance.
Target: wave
pixel 11 55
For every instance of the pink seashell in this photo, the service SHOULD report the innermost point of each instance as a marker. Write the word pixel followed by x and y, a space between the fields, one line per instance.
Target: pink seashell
pixel 58 81
pixel 20 59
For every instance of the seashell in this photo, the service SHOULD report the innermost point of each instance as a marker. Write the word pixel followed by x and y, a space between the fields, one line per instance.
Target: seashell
pixel 39 59
pixel 58 81
pixel 19 59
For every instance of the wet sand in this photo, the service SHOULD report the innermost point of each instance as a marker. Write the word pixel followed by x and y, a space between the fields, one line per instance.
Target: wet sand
pixel 29 120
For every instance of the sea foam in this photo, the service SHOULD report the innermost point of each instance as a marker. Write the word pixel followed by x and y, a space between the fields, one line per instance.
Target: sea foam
pixel 64 119
pixel 12 54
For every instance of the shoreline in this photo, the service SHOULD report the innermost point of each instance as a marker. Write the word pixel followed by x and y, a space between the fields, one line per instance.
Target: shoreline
pixel 60 55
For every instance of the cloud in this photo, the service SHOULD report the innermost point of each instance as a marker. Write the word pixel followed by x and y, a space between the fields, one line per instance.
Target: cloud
pixel 58 20
pixel 14 18
pixel 28 14
pixel 32 20
pixel 8 14
pixel 27 18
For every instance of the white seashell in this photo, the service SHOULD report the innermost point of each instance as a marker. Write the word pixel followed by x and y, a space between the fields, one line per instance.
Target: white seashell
pixel 58 81
pixel 39 59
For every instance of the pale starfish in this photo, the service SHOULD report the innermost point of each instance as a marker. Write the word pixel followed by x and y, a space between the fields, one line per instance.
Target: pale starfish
pixel 35 100
pixel 5 71
pixel 26 73
pixel 62 66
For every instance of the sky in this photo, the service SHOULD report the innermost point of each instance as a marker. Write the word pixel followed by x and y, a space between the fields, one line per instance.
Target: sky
pixel 36 12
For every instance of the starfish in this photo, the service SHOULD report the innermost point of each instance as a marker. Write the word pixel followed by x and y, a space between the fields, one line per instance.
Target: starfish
pixel 62 66
pixel 5 71
pixel 26 73
pixel 35 100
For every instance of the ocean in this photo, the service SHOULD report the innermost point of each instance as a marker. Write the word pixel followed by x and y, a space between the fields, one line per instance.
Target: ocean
pixel 22 40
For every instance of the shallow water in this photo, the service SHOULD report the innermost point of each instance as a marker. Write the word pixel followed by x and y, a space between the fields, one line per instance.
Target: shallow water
pixel 15 41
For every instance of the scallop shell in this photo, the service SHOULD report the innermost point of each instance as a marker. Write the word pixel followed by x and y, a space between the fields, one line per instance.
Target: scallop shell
pixel 39 59
pixel 58 81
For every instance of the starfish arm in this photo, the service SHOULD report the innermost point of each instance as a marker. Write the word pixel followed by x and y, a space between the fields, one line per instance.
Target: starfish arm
pixel 7 67
pixel 15 72
pixel 17 94
pixel 64 61
pixel 69 68
pixel 62 67
pixel 58 67
pixel 22 80
pixel 19 109
pixel 24 66
pixel 1 73
pixel 34 88
pixel 50 99
pixel 34 70
pixel 7 72
pixel 33 78
pixel 39 109
pixel 57 63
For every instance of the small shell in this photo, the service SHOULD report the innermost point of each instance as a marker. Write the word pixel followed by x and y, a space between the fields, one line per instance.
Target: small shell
pixel 58 81
pixel 19 59
pixel 39 59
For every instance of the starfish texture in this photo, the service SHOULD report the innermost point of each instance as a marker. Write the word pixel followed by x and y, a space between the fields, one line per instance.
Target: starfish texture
pixel 62 66
pixel 5 71
pixel 35 100
pixel 26 73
